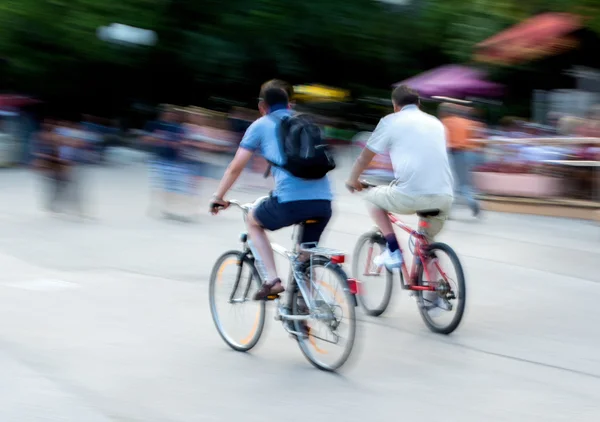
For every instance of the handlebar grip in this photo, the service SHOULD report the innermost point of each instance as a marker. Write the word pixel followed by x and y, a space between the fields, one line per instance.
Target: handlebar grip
pixel 215 206
pixel 367 185
pixel 363 183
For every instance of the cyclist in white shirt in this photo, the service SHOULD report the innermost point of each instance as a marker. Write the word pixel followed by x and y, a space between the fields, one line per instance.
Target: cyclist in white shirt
pixel 416 143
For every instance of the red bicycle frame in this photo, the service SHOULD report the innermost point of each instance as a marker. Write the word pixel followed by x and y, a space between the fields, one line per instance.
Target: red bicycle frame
pixel 419 253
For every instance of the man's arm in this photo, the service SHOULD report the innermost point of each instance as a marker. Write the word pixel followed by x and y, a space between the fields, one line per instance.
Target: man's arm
pixel 377 144
pixel 234 169
pixel 360 165
pixel 249 144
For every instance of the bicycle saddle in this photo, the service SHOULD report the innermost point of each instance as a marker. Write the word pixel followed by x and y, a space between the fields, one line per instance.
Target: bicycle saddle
pixel 428 213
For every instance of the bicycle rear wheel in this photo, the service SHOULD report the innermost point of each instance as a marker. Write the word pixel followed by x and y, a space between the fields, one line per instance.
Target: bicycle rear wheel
pixel 233 282
pixel 376 284
pixel 334 319
pixel 442 311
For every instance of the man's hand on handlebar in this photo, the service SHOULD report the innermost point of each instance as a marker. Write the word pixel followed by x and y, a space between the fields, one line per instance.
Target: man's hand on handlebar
pixel 354 186
pixel 217 204
pixel 359 185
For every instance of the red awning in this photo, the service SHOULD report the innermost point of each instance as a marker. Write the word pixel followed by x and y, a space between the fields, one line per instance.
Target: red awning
pixel 540 36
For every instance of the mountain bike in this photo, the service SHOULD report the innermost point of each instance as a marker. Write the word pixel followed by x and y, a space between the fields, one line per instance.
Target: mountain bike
pixel 438 293
pixel 315 312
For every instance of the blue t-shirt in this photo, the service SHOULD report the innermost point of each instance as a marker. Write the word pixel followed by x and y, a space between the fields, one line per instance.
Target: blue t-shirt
pixel 261 137
pixel 173 133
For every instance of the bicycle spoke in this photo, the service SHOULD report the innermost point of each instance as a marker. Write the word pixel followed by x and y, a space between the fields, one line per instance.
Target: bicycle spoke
pixel 376 282
pixel 330 333
pixel 239 320
pixel 442 309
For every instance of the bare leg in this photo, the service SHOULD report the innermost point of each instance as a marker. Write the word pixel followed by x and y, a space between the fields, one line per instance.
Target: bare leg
pixel 382 220
pixel 263 246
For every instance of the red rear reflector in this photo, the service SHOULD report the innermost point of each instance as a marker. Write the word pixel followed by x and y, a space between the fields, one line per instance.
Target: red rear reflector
pixel 338 259
pixel 353 286
pixel 423 224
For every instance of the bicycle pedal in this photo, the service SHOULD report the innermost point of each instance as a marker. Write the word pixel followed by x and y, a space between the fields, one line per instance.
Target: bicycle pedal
pixel 273 297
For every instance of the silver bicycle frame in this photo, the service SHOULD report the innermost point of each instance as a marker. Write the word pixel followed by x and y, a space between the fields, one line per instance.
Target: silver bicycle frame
pixel 292 258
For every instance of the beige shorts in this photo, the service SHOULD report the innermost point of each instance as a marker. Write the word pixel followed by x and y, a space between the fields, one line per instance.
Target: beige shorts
pixel 389 199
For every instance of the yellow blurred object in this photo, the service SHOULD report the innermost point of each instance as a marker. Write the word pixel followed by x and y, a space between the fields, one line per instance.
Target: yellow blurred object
pixel 320 93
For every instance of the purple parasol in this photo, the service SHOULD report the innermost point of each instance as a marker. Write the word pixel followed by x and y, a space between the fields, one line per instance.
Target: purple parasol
pixel 453 81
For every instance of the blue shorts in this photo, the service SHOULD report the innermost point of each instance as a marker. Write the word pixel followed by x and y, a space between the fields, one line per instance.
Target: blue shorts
pixel 169 176
pixel 274 215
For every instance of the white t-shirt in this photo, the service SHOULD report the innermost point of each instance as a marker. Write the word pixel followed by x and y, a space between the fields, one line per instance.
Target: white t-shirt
pixel 416 142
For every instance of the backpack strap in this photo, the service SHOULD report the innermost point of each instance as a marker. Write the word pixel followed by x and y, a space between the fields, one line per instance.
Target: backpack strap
pixel 278 122
pixel 268 170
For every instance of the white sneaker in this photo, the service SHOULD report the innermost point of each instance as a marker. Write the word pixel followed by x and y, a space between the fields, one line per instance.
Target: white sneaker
pixel 391 260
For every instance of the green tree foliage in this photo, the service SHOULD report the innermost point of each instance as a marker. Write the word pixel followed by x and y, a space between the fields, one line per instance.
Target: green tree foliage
pixel 211 47
pixel 47 44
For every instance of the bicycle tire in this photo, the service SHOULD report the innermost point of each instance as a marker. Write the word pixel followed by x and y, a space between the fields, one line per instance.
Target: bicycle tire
pixel 250 341
pixel 365 239
pixel 304 343
pixel 462 293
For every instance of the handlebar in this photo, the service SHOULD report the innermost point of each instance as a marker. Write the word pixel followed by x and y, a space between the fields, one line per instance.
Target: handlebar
pixel 244 207
pixel 367 185
pixel 364 184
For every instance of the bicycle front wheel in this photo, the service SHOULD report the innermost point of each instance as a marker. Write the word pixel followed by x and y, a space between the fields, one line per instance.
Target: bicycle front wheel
pixel 238 319
pixel 376 284
pixel 328 336
pixel 442 311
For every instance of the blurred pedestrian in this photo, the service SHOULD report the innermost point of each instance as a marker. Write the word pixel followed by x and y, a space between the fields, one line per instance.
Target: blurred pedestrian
pixel 71 144
pixel 461 148
pixel 479 134
pixel 192 154
pixel 48 163
pixel 206 148
pixel 94 138
pixel 53 165
pixel 170 175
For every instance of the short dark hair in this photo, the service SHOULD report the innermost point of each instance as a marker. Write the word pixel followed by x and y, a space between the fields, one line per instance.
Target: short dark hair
pixel 403 96
pixel 274 92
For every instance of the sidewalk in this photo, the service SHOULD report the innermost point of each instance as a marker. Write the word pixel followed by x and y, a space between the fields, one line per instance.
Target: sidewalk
pixel 565 208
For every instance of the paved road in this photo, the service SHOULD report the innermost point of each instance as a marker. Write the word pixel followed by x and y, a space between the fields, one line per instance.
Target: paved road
pixel 108 321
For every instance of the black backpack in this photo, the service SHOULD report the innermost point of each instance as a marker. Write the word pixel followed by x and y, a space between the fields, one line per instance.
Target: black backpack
pixel 305 154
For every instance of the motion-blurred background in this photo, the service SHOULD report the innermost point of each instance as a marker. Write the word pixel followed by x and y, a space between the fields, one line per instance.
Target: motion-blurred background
pixel 113 109
pixel 524 74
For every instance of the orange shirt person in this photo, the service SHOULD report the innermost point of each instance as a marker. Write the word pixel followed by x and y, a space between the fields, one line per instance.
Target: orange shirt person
pixel 461 144
pixel 459 132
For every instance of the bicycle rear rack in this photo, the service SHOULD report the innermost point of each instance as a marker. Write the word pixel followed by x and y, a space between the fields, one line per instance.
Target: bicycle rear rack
pixel 313 249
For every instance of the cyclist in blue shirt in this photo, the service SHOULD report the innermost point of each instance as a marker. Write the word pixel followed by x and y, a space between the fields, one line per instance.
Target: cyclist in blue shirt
pixel 293 200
